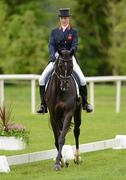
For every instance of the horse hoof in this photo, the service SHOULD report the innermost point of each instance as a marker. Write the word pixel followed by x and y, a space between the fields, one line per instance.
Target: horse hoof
pixel 78 160
pixel 62 163
pixel 66 164
pixel 57 167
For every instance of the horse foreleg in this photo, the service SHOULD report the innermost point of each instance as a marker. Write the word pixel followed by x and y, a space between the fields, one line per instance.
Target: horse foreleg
pixel 61 140
pixel 56 132
pixel 77 123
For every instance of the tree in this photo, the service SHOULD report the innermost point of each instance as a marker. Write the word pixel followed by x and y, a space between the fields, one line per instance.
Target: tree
pixel 91 18
pixel 3 14
pixel 24 33
pixel 118 37
pixel 24 44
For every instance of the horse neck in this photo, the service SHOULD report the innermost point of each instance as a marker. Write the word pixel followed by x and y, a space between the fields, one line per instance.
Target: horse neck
pixel 56 82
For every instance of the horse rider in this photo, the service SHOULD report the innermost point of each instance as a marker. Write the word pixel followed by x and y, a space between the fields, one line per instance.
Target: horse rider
pixel 63 37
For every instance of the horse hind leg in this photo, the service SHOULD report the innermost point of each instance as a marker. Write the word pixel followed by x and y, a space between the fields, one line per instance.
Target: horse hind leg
pixel 77 123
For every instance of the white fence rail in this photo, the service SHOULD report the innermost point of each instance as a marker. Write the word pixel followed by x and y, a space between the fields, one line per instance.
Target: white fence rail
pixel 90 80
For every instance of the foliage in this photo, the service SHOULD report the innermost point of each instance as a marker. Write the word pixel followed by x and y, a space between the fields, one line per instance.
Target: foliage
pixel 26 25
pixel 92 22
pixel 7 129
pixel 27 48
pixel 24 44
pixel 118 37
pixel 5 118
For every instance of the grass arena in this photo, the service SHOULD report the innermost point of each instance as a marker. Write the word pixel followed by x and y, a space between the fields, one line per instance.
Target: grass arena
pixel 104 123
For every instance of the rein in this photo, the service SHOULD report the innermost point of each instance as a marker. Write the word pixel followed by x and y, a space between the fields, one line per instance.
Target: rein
pixel 64 73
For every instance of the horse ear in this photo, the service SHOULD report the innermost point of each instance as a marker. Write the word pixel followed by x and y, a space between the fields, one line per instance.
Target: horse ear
pixel 60 53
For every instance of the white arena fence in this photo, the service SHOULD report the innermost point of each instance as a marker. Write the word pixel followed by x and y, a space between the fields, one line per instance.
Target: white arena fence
pixel 91 80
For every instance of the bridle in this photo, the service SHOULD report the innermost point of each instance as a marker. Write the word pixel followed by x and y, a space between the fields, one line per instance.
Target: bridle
pixel 63 78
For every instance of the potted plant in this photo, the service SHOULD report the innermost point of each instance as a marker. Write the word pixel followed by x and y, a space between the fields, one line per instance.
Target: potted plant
pixel 12 136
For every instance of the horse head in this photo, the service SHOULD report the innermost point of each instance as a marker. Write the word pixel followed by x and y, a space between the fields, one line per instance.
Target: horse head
pixel 64 69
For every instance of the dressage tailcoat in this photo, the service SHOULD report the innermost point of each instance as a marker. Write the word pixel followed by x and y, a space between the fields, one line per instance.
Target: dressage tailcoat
pixel 62 40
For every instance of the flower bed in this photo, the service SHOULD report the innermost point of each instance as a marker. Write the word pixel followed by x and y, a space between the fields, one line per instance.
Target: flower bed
pixel 12 136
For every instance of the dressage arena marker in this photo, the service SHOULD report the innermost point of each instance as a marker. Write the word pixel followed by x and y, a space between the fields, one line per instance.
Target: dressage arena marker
pixel 119 142
pixel 4 166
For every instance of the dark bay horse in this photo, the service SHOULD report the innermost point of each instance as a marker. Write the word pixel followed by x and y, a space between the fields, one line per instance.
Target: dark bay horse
pixel 63 104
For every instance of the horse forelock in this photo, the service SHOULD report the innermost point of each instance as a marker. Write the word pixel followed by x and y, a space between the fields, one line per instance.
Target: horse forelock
pixel 65 55
pixel 65 58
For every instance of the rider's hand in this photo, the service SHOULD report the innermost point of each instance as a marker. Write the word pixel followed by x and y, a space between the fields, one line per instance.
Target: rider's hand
pixel 72 52
pixel 52 59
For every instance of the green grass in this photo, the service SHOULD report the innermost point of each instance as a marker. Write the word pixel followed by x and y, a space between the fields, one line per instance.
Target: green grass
pixel 102 165
pixel 104 123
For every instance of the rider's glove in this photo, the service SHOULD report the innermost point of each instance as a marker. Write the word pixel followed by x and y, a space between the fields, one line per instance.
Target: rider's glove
pixel 72 52
pixel 52 59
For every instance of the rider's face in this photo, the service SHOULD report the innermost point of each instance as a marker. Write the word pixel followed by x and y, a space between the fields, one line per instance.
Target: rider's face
pixel 64 21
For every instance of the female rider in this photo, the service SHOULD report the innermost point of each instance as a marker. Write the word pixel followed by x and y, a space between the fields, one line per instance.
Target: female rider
pixel 63 37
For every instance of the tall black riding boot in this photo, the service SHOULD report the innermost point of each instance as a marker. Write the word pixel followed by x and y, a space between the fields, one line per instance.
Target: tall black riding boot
pixel 43 106
pixel 85 104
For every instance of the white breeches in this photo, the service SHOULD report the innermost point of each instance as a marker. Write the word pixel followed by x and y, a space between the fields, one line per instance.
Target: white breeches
pixel 45 74
pixel 78 72
pixel 49 68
